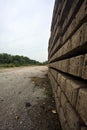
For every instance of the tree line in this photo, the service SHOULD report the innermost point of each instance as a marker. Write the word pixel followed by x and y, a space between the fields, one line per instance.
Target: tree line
pixel 16 60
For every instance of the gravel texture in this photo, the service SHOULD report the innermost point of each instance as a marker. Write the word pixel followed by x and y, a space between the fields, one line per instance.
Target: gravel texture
pixel 24 104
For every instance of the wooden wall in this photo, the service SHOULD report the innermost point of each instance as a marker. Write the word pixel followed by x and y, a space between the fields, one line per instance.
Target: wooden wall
pixel 67 56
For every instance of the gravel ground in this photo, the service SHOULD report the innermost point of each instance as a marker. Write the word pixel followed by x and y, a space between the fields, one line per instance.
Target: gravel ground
pixel 24 102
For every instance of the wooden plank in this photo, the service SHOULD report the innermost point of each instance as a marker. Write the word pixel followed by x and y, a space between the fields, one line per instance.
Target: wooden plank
pixel 82 12
pixel 73 66
pixel 84 71
pixel 80 37
pixel 77 40
pixel 61 65
pixel 76 65
pixel 73 7
pixel 57 45
pixel 82 104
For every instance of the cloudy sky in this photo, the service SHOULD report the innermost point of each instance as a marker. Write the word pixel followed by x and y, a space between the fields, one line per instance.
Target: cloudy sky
pixel 25 27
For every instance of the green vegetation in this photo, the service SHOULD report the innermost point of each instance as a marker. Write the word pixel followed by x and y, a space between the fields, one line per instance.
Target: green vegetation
pixel 7 60
pixel 45 63
pixel 43 82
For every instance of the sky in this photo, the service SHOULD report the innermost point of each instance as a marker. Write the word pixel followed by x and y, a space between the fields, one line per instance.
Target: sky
pixel 25 27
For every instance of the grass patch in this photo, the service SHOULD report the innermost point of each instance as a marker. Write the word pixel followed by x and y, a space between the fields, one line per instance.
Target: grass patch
pixel 6 65
pixel 17 65
pixel 49 103
pixel 43 83
pixel 38 81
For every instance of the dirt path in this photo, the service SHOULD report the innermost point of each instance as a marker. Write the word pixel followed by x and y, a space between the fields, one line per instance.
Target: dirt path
pixel 24 101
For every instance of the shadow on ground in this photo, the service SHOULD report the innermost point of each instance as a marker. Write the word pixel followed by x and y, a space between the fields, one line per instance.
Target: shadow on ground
pixel 45 117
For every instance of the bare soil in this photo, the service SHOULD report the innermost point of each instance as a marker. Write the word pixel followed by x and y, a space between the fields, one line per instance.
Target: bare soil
pixel 26 100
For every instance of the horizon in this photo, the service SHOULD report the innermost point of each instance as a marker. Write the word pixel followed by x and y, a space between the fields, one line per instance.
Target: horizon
pixel 23 56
